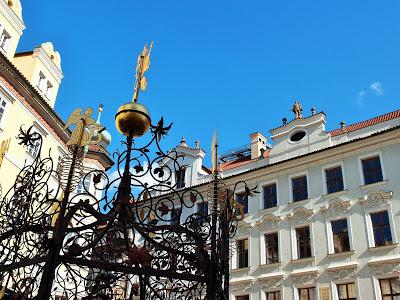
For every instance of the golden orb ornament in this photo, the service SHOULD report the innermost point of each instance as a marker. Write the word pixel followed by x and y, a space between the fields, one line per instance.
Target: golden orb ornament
pixel 132 119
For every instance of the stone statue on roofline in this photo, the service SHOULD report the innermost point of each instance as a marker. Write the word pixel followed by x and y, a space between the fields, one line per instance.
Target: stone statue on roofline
pixel 297 110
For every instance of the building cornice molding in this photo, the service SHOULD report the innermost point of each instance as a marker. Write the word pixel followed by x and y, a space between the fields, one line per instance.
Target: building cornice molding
pixel 270 282
pixel 243 229
pixel 42 55
pixel 385 266
pixel 336 207
pixel 17 23
pixel 343 271
pixel 376 198
pixel 240 286
pixel 269 222
pixel 304 277
pixel 300 215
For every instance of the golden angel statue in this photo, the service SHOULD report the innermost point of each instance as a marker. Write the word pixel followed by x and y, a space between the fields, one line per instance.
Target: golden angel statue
pixel 5 145
pixel 85 128
pixel 143 64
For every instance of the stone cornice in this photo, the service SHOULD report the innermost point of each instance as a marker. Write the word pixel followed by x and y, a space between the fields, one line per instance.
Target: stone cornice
pixel 17 23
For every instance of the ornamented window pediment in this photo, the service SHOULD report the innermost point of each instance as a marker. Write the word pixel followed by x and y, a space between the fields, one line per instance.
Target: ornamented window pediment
pixel 244 228
pixel 270 282
pixel 300 215
pixel 344 273
pixel 376 199
pixel 385 268
pixel 336 207
pixel 304 278
pixel 269 222
pixel 240 287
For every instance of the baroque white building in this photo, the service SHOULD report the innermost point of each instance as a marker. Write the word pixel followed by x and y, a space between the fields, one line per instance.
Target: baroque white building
pixel 325 223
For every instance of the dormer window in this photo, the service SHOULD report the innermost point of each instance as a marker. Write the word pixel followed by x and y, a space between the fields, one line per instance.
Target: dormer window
pixel 42 82
pixel 49 86
pixel 5 37
pixel 297 136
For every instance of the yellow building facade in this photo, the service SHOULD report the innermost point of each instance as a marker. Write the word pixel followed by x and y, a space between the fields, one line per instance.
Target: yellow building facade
pixel 29 83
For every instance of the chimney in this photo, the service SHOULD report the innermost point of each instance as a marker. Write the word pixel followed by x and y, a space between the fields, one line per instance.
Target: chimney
pixel 258 144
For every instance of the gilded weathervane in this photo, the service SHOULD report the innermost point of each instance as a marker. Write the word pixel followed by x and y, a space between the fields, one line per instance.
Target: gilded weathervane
pixel 85 128
pixel 5 145
pixel 143 64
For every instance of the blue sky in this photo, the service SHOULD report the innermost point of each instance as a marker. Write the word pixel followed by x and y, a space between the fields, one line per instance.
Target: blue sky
pixel 233 65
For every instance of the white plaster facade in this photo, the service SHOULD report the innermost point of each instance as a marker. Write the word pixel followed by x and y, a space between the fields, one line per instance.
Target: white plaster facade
pixel 364 263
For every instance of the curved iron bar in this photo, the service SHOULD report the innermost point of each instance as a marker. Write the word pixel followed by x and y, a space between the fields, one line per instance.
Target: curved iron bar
pixel 117 239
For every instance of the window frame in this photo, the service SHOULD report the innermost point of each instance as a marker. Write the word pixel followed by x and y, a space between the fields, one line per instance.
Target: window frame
pixel 389 277
pixel 265 293
pixel 5 38
pixel 262 200
pixel 264 252
pixel 346 282
pixel 236 266
pixel 360 167
pixel 239 192
pixel 380 227
pixel 331 246
pixel 310 242
pixel 294 176
pixel 324 181
pixel 297 291
pixel 368 220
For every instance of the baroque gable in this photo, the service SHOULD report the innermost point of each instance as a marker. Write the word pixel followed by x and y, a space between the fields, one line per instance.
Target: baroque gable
pixel 302 279
pixel 344 273
pixel 270 282
pixel 243 229
pixel 240 287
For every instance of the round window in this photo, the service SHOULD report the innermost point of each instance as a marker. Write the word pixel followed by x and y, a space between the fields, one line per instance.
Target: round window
pixel 297 136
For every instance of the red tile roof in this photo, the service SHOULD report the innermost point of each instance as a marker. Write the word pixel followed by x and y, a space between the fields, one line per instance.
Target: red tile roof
pixel 380 119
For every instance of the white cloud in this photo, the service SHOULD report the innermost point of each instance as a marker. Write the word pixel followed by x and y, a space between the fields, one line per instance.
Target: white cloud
pixel 376 87
pixel 360 97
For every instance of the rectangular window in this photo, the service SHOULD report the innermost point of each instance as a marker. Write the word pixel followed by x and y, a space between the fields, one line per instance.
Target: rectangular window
pixel 243 253
pixel 176 216
pixel 5 37
pixel 334 180
pixel 273 295
pixel 346 291
pixel 303 242
pixel 202 209
pixel 340 234
pixel 33 149
pixel 243 297
pixel 299 186
pixel 2 108
pixel 41 82
pixel 83 185
pixel 180 178
pixel 381 228
pixel 242 198
pixel 271 248
pixel 372 170
pixel 390 288
pixel 49 86
pixel 308 293
pixel 269 192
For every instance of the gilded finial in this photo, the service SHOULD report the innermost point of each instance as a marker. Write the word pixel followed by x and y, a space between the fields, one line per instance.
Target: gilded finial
pixel 5 145
pixel 143 64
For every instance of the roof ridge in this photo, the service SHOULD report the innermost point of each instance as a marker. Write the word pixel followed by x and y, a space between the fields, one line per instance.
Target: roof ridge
pixel 366 123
